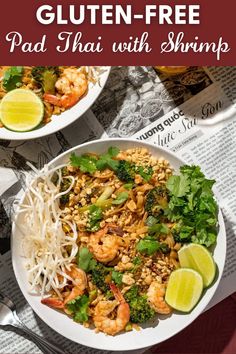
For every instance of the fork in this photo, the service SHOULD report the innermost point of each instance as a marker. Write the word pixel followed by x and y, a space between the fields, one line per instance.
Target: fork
pixel 9 317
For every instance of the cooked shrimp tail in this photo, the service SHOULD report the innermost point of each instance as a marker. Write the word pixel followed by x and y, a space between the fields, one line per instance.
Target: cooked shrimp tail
pixel 79 279
pixel 116 292
pixel 56 101
pixel 104 309
pixel 156 298
pixel 65 101
pixel 75 292
pixel 53 302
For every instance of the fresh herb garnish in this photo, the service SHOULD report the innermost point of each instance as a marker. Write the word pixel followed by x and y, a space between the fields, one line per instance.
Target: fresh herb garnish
pixel 90 164
pixel 192 206
pixel 86 163
pixel 113 151
pixel 106 160
pixel 158 229
pixel 85 260
pixel 12 78
pixel 178 185
pixel 117 277
pixel 149 245
pixel 124 170
pixel 79 308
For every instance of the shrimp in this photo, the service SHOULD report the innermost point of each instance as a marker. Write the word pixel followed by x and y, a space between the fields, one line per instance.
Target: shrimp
pixel 104 309
pixel 72 84
pixel 54 302
pixel 79 279
pixel 105 244
pixel 155 294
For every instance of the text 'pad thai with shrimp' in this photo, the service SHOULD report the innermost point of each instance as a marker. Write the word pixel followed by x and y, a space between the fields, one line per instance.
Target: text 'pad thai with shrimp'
pixel 117 240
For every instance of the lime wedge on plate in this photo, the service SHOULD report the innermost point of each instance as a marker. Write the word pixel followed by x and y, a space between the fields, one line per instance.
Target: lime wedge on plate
pixel 197 257
pixel 184 289
pixel 21 110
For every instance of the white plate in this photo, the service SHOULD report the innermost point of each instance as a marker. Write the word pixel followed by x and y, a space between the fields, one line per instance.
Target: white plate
pixel 167 327
pixel 61 121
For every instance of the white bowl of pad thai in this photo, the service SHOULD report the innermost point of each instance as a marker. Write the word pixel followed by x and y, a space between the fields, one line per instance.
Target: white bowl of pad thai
pixel 98 240
pixel 39 100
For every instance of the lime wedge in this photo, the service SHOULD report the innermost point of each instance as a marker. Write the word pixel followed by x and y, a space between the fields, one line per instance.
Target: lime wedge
pixel 21 110
pixel 197 257
pixel 184 289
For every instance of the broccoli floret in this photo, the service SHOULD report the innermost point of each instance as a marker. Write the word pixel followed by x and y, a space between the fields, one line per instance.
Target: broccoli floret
pixel 140 311
pixel 156 201
pixel 46 77
pixel 145 172
pixel 99 275
pixel 125 171
pixel 131 294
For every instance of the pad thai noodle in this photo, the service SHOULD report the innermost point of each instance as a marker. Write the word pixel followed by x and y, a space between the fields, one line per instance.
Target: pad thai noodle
pixel 100 237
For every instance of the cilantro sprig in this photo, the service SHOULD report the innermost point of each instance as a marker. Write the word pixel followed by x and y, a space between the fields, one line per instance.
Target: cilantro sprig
pixel 192 206
pixel 124 170
pixel 117 277
pixel 106 160
pixel 79 308
pixel 85 260
pixel 12 78
pixel 86 163
pixel 149 245
pixel 90 164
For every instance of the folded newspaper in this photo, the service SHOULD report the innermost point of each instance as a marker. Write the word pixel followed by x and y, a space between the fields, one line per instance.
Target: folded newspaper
pixel 192 114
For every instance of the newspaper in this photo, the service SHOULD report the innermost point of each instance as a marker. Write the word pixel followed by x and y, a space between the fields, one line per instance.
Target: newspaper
pixel 193 114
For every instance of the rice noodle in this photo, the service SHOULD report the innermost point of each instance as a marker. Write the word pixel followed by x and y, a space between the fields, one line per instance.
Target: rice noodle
pixel 48 249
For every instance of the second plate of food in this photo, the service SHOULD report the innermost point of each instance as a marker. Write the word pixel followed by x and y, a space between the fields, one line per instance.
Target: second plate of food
pixel 38 101
pixel 118 244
